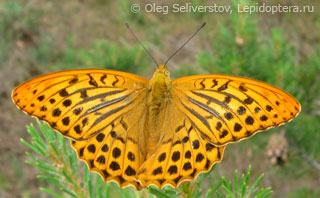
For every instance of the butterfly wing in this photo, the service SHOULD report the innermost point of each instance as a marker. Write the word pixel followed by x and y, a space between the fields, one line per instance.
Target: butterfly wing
pixel 180 155
pixel 116 152
pixel 227 108
pixel 99 110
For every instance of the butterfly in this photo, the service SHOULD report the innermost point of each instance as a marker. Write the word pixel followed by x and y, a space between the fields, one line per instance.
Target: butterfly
pixel 139 132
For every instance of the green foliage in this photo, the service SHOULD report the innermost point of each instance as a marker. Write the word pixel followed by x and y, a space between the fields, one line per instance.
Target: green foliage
pixel 307 79
pixel 44 52
pixel 18 21
pixel 303 192
pixel 184 70
pixel 17 17
pixel 242 50
pixel 103 54
pixel 62 175
pixel 127 14
pixel 197 15
pixel 239 189
pixel 306 129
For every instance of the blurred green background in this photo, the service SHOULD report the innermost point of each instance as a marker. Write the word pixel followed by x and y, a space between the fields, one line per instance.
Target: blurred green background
pixel 283 49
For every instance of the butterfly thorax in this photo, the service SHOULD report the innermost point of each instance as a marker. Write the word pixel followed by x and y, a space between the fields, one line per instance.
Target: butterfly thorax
pixel 159 90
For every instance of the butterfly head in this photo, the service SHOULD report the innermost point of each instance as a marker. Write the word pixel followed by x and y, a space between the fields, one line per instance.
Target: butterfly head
pixel 162 69
pixel 161 77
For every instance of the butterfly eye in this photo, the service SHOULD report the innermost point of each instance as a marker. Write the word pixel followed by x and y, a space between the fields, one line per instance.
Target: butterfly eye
pixel 166 73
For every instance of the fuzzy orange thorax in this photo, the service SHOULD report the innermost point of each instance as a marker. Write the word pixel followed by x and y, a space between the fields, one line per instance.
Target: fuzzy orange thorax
pixel 159 87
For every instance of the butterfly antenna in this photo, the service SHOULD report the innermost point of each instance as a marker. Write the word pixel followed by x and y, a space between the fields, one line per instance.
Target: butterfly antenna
pixel 129 28
pixel 165 64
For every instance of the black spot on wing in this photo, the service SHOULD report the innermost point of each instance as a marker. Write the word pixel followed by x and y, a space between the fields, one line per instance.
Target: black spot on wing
pixel 227 100
pixel 74 80
pixel 187 166
pixel 84 121
pixel 209 147
pixel 63 93
pixel 101 159
pixel 228 115
pixel 114 166
pixel 67 103
pixel 175 156
pixel 116 81
pixel 103 78
pixel 237 127
pixel 100 137
pixel 187 155
pixel 92 81
pixel 105 173
pixel 269 108
pixel 263 118
pixel 243 88
pixel 161 181
pixel 130 171
pixel 218 126
pixel 241 110
pixel 77 129
pixel 43 108
pixel 91 148
pixel 201 83
pixel 224 133
pixel 83 94
pixel 173 169
pixel 248 100
pixel 249 120
pixel 215 83
pixel 199 157
pixel 81 152
pixel 116 152
pixel 195 144
pixel 56 112
pixel 66 121
pixel 40 98
pixel 177 179
pixel 224 86
pixel 105 148
pixel 121 180
pixel 77 111
pixel 185 139
pixel 176 142
pixel 131 156
pixel 157 171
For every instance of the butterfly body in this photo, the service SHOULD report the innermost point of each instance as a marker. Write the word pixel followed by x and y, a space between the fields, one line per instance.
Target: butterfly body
pixel 159 132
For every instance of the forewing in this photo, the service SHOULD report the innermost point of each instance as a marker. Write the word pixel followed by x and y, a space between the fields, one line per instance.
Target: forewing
pixel 79 103
pixel 228 108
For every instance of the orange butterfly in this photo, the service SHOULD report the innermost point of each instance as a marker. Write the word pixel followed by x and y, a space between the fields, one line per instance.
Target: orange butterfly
pixel 159 132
